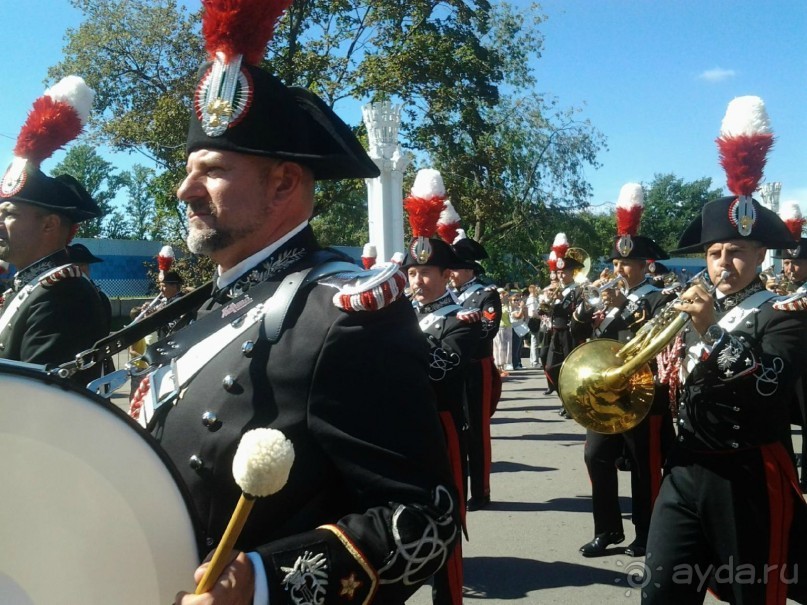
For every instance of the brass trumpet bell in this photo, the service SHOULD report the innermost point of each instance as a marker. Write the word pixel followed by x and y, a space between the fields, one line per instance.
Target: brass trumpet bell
pixel 599 394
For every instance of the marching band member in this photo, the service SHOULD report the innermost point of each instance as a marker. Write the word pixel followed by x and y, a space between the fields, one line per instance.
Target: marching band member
pixel 567 297
pixel 294 338
pixel 53 311
pixel 730 498
pixel 452 334
pixel 645 445
pixel 484 384
pixel 794 268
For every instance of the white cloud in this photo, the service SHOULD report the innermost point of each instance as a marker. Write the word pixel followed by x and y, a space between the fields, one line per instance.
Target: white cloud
pixel 717 74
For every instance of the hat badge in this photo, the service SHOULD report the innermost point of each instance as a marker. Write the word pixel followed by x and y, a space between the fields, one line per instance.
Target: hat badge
pixel 421 250
pixel 560 263
pixel 14 178
pixel 223 96
pixel 624 245
pixel 743 215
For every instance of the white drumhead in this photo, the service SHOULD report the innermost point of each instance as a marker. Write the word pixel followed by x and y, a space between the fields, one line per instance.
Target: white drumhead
pixel 89 512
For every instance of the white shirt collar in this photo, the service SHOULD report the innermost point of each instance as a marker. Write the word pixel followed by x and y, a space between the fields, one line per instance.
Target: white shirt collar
pixel 227 277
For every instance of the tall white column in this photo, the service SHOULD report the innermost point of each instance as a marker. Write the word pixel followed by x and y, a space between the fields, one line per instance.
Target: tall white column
pixel 769 192
pixel 385 193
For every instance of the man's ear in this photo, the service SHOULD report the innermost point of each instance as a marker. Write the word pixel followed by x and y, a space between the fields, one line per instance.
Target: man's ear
pixel 289 177
pixel 51 223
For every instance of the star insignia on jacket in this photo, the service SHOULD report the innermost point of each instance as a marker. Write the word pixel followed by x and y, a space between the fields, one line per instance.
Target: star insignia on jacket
pixel 350 585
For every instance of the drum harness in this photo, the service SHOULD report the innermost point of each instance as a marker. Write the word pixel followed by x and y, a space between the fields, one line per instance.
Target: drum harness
pixel 180 356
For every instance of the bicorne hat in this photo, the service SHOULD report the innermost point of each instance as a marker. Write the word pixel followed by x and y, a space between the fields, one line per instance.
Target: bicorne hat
pixel 56 118
pixel 791 215
pixel 424 206
pixel 628 242
pixel 240 107
pixel 745 138
pixel 562 262
pixel 79 253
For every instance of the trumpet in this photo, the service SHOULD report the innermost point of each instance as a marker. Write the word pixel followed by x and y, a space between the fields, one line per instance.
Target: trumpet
pixel 593 294
pixel 608 387
pixel 777 282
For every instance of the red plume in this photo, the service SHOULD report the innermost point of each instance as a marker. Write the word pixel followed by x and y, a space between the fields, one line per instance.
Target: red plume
pixel 50 125
pixel 744 141
pixel 423 214
pixel 743 159
pixel 240 27
pixel 448 223
pixel 165 258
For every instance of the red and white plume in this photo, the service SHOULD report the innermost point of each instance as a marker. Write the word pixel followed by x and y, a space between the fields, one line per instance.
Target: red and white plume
pixel 368 256
pixel 56 118
pixel 553 261
pixel 240 27
pixel 629 209
pixel 792 217
pixel 165 259
pixel 448 224
pixel 560 245
pixel 744 141
pixel 425 203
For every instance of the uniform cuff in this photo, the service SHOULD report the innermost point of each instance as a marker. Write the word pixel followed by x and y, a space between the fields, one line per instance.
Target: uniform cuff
pixel 261 594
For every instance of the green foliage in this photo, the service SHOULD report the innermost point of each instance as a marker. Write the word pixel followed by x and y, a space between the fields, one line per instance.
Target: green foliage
pixel 98 176
pixel 671 204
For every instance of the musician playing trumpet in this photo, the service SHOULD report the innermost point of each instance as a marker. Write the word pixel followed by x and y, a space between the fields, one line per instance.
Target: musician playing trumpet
pixel 730 498
pixel 643 447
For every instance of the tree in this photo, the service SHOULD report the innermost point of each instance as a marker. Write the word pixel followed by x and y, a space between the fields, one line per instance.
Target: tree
pixel 140 214
pixel 671 204
pixel 460 68
pixel 99 179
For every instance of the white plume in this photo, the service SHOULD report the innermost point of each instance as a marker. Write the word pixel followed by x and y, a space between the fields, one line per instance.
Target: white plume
pixel 745 116
pixel 369 251
pixel 560 240
pixel 630 196
pixel 791 210
pixel 166 252
pixel 75 92
pixel 428 183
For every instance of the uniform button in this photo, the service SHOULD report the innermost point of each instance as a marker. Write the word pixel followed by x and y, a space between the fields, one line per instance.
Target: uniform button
pixel 228 382
pixel 749 324
pixel 196 463
pixel 210 542
pixel 681 422
pixel 680 437
pixel 247 348
pixel 211 421
pixel 735 445
pixel 736 427
pixel 735 408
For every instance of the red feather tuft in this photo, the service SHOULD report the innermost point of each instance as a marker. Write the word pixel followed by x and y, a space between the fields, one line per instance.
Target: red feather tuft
pixel 50 125
pixel 560 250
pixel 164 263
pixel 72 233
pixel 628 219
pixel 743 159
pixel 448 232
pixel 423 214
pixel 241 27
pixel 795 225
pixel 367 262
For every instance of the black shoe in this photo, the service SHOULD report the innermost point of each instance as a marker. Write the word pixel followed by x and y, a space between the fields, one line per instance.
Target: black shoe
pixel 477 503
pixel 637 548
pixel 563 413
pixel 549 391
pixel 599 545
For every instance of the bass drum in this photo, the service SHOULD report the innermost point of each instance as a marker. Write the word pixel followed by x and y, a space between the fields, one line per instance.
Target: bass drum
pixel 91 510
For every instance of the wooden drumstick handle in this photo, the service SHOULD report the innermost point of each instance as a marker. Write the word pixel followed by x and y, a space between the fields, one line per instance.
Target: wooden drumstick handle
pixel 221 555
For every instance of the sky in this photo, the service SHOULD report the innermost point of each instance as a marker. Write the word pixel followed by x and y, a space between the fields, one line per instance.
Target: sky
pixel 654 76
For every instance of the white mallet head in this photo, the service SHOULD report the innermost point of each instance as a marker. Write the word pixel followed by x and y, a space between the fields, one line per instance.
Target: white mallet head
pixel 262 462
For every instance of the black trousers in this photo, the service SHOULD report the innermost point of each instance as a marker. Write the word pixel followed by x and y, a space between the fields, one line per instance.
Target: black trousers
pixel 722 521
pixel 645 446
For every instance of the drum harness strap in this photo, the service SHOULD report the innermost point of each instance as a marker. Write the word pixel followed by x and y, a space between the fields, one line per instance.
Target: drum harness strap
pixel 198 343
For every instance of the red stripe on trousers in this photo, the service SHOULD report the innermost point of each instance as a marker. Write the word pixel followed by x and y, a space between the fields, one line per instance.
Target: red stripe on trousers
pixel 453 566
pixel 780 479
pixel 488 367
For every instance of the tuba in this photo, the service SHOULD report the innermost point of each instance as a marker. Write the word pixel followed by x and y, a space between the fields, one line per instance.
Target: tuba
pixel 582 257
pixel 607 386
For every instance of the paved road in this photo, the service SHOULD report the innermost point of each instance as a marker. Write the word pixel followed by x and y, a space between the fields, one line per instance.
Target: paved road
pixel 524 547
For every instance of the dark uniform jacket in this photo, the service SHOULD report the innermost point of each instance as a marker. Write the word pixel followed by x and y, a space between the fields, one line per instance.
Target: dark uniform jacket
pixel 451 344
pixel 737 396
pixel 368 508
pixel 475 295
pixel 61 316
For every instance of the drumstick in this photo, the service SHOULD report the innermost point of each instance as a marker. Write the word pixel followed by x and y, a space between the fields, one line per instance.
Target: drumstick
pixel 261 468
